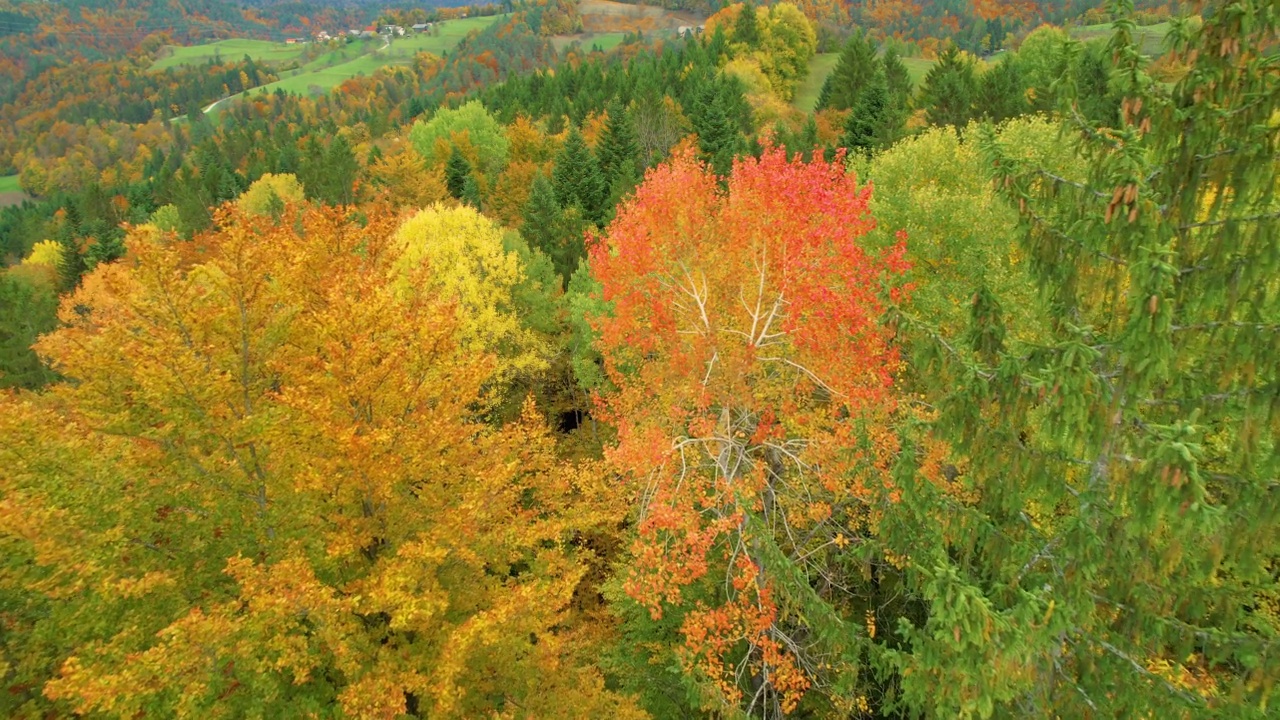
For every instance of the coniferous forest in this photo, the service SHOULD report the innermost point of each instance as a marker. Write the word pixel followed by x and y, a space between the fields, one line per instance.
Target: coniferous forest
pixel 796 359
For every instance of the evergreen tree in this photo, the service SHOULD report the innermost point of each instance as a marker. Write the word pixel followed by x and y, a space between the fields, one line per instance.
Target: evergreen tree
pixel 1091 74
pixel 471 191
pixel 618 143
pixel 26 312
pixel 717 138
pixel 624 181
pixel 193 204
pixel 311 169
pixel 105 248
pixel 868 123
pixel 824 95
pixel 1002 91
pixel 554 232
pixel 340 172
pixel 71 264
pixel 853 72
pixel 456 174
pixel 897 78
pixel 746 28
pixel 577 179
pixel 996 34
pixel 950 90
pixel 1120 544
pixel 809 138
pixel 541 216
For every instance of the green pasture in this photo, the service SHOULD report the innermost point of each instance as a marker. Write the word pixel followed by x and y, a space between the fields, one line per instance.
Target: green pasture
pixel 820 67
pixel 917 68
pixel 9 184
pixel 1150 37
pixel 364 57
pixel 263 51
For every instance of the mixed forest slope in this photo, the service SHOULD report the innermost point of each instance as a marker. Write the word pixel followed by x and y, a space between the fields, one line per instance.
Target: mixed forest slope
pixel 894 360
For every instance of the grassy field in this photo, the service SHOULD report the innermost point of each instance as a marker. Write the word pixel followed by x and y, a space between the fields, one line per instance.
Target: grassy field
pixel 1149 37
pixel 10 193
pixel 451 33
pixel 605 40
pixel 822 65
pixel 364 58
pixel 819 68
pixel 263 51
pixel 917 68
pixel 324 78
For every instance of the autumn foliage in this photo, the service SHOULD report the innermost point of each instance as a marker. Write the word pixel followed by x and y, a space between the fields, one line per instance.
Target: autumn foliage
pixel 746 360
pixel 272 494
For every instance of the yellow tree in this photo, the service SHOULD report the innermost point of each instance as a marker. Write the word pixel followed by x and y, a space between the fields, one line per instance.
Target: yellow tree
pixel 409 182
pixel 262 493
pixel 470 266
pixel 269 194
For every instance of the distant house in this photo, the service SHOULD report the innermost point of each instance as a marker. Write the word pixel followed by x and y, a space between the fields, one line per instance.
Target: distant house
pixel 422 27
pixel 290 41
pixel 392 30
pixel 322 35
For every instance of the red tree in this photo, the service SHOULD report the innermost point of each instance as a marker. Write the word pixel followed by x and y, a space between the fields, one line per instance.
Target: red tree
pixel 751 380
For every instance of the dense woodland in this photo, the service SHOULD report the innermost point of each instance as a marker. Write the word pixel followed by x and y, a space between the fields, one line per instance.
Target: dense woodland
pixel 538 383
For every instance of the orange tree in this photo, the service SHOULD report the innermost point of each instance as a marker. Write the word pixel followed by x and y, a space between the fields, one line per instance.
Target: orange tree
pixel 752 388
pixel 260 492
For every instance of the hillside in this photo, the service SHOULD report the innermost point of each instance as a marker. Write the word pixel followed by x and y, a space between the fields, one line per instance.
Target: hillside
pixel 263 51
pixel 10 192
pixel 478 374
pixel 608 16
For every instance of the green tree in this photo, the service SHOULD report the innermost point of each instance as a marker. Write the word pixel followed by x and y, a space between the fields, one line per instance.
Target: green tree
pixel 746 27
pixel 311 169
pixel 340 171
pixel 1002 91
pixel 1042 58
pixel 717 138
pixel 456 174
pixel 854 70
pixel 71 264
pixel 1091 75
pixel 950 90
pixel 471 119
pixel 618 143
pixel 1115 545
pixel 470 192
pixel 577 179
pixel 896 77
pixel 552 231
pixel 961 234
pixel 166 218
pixel 27 310
pixel 868 124
pixel 106 248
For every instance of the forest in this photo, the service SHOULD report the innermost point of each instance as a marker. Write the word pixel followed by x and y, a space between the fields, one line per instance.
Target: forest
pixel 535 380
